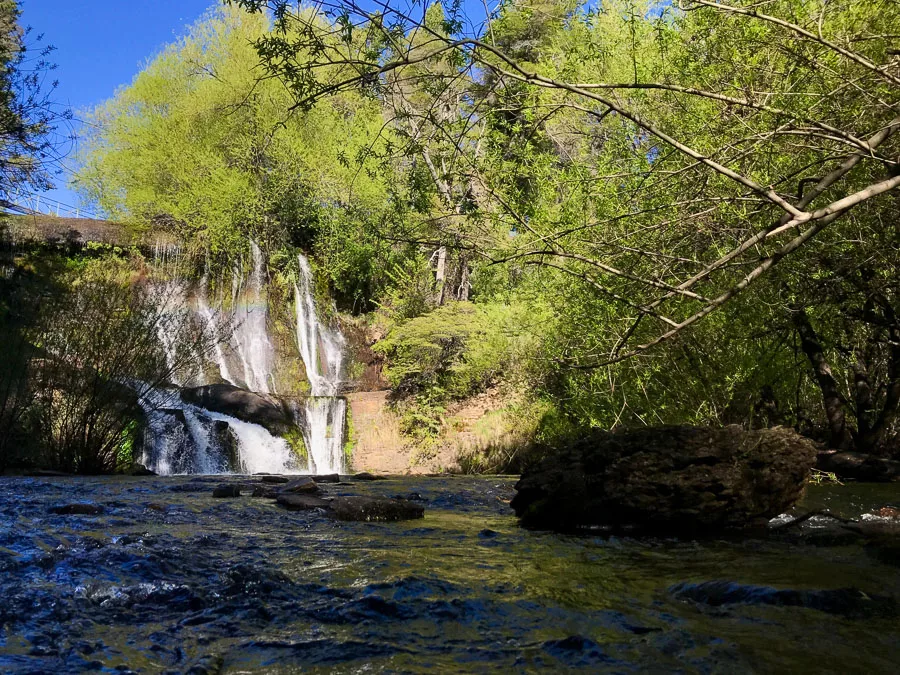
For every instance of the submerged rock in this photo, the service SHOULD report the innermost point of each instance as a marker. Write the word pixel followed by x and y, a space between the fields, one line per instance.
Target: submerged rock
pixel 294 502
pixel 848 602
pixel 77 510
pixel 858 466
pixel 667 479
pixel 368 509
pixel 226 491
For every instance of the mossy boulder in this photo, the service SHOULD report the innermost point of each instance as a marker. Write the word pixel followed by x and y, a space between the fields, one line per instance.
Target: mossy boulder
pixel 667 479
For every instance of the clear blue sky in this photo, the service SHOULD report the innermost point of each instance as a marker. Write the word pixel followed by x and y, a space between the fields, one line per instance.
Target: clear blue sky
pixel 101 45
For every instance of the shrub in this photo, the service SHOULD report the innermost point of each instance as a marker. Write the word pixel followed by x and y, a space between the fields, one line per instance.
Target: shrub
pixel 450 353
pixel 89 349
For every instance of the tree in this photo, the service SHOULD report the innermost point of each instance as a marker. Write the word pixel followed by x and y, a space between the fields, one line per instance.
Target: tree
pixel 664 158
pixel 27 113
pixel 786 166
pixel 84 353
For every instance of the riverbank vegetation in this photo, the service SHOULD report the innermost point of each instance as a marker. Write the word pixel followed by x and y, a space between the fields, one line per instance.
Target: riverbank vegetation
pixel 80 335
pixel 607 215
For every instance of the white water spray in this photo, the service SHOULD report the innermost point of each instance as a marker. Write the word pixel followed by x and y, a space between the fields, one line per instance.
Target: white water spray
pixel 322 350
pixel 184 438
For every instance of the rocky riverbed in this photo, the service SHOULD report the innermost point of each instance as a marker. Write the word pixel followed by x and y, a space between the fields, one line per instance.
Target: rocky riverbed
pixel 157 575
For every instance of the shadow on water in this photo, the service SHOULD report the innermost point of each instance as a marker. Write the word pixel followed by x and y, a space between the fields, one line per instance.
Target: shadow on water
pixel 167 578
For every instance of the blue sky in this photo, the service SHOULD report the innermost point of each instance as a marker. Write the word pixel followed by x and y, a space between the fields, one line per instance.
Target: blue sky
pixel 101 45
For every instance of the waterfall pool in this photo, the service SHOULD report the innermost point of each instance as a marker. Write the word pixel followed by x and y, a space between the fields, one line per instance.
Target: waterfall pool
pixel 168 579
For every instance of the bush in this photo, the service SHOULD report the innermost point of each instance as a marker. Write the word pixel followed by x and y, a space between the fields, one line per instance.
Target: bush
pixel 87 348
pixel 450 353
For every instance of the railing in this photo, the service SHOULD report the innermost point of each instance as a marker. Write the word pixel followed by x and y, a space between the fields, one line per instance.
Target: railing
pixel 34 204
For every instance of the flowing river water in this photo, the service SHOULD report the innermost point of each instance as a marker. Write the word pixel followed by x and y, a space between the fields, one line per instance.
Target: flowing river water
pixel 168 579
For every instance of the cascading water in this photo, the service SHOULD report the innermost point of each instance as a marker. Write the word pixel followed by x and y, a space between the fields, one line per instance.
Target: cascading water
pixel 248 360
pixel 250 335
pixel 322 350
pixel 184 438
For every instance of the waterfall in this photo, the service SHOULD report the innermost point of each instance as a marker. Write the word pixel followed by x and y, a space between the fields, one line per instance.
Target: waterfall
pixel 251 353
pixel 250 336
pixel 212 326
pixel 322 350
pixel 185 438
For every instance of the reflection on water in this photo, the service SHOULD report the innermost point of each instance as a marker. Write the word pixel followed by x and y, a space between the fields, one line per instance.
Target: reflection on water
pixel 168 578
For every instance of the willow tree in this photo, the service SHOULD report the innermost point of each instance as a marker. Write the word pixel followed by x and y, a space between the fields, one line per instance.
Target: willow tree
pixel 203 144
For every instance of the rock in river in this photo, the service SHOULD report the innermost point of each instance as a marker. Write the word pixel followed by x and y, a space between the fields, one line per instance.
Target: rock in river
pixel 301 502
pixel 300 485
pixel 327 478
pixel 666 479
pixel 265 491
pixel 77 510
pixel 226 491
pixel 365 475
pixel 275 480
pixel 857 466
pixel 375 509
pixel 140 470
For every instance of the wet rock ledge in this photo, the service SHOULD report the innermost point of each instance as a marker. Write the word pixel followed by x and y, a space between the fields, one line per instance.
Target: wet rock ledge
pixel 667 479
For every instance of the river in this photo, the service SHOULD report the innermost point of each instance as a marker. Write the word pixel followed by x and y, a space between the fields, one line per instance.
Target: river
pixel 168 579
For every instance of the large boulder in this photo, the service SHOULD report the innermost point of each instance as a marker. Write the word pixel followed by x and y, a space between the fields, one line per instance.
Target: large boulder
pixel 857 466
pixel 667 479
pixel 266 411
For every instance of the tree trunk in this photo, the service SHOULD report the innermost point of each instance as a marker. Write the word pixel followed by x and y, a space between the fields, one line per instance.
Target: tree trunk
pixel 463 292
pixel 865 405
pixel 869 439
pixel 440 276
pixel 841 437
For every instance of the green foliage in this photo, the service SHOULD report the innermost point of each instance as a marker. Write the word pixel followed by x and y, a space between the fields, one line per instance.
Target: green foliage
pixel 452 352
pixel 83 347
pixel 571 213
pixel 128 443
pixel 817 477
pixel 198 144
pixel 349 438
pixel 294 438
pixel 411 290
